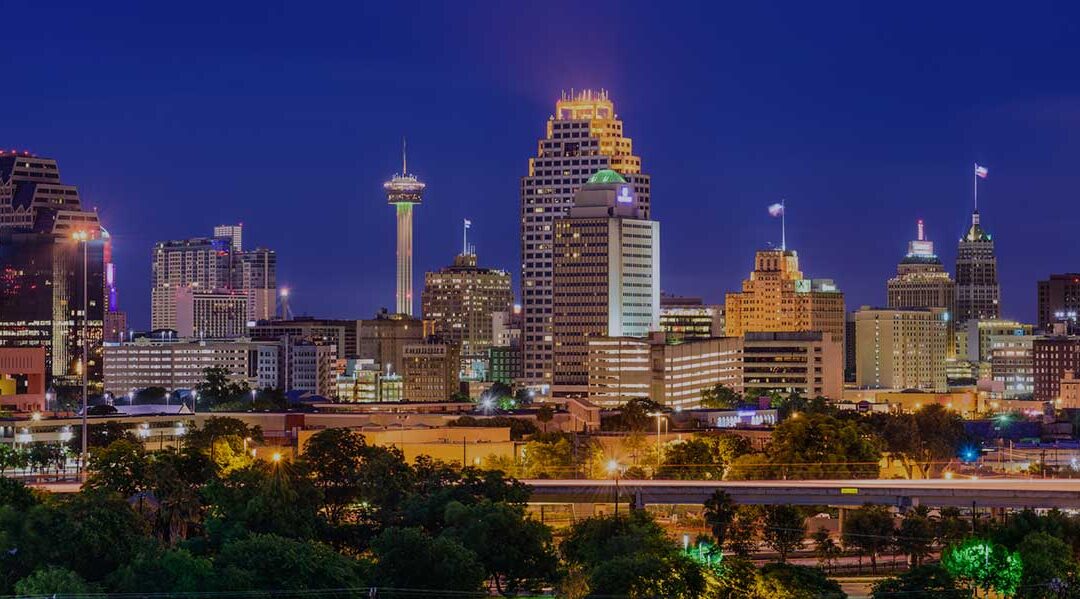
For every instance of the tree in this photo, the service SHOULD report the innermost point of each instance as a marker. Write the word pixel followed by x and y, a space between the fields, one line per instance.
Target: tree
pixel 720 397
pixel 15 494
pixel 923 441
pixel 334 459
pixel 981 564
pixel 821 446
pixel 922 581
pixel 784 529
pixel 742 533
pixel 273 563
pixel 516 552
pixel 262 498
pixel 11 458
pixel 693 459
pixel 631 556
pixel 951 527
pixel 548 456
pixel 914 537
pixel 720 512
pixel 409 558
pixel 169 571
pixel 632 416
pixel 52 580
pixel 218 388
pixel 825 547
pixel 544 415
pixel 225 441
pixel 1046 559
pixel 787 581
pixel 121 467
pixel 869 530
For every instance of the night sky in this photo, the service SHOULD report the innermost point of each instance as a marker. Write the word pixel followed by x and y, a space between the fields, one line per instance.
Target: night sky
pixel 174 117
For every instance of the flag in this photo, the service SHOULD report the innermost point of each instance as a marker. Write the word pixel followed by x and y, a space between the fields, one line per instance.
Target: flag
pixel 468 223
pixel 776 210
pixel 981 171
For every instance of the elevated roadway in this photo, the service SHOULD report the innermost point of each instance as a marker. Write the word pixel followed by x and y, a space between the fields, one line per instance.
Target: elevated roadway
pixel 984 493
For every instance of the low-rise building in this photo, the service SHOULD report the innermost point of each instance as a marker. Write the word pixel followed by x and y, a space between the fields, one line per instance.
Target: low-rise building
pixel 430 371
pixel 172 365
pixel 672 374
pixel 1052 356
pixel 809 363
pixel 22 379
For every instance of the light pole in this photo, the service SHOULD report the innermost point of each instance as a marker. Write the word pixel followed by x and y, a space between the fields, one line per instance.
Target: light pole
pixel 613 468
pixel 658 416
pixel 83 237
pixel 253 393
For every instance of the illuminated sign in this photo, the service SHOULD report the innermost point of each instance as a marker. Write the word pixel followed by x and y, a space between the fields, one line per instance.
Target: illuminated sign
pixel 849 491
pixel 624 195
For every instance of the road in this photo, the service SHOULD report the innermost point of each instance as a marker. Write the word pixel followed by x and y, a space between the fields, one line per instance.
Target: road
pixel 1005 493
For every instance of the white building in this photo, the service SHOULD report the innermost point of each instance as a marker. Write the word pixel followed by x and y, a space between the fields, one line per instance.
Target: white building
pixel 182 364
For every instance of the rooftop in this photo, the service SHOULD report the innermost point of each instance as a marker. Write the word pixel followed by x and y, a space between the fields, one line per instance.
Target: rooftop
pixel 606 176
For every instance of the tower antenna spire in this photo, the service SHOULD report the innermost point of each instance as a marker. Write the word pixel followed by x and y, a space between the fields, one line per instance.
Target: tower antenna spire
pixel 783 225
pixel 404 165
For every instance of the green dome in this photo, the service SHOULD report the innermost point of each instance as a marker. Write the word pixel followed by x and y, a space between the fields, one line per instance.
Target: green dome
pixel 606 176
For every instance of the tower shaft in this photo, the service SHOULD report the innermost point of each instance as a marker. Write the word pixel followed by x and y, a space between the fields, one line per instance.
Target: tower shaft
pixel 404 259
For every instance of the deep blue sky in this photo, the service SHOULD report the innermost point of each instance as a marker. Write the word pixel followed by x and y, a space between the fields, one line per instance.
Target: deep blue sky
pixel 172 118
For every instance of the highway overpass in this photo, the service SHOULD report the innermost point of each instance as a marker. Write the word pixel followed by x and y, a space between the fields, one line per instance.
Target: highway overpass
pixel 984 493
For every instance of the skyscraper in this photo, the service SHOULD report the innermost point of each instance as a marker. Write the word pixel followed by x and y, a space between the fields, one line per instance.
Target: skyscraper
pixel 606 276
pixel 978 293
pixel 776 298
pixel 212 265
pixel 42 274
pixel 403 192
pixel 582 137
pixel 921 280
pixel 460 300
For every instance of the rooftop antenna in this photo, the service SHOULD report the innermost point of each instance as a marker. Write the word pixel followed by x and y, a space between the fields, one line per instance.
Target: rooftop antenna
pixel 919 224
pixel 465 237
pixel 404 166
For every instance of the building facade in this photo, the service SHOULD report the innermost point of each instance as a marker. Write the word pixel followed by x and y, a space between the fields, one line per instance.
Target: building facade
pixel 145 362
pixel 430 371
pixel 42 270
pixel 921 280
pixel 343 334
pixel 1052 357
pixel 669 372
pixel 383 339
pixel 690 318
pixel 1012 364
pixel 460 302
pixel 1059 302
pixel 776 298
pixel 901 349
pixel 308 367
pixel 978 294
pixel 809 363
pixel 606 277
pixel 584 136
pixel 210 314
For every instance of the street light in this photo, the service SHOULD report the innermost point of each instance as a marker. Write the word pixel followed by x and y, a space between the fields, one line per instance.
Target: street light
pixel 613 468
pixel 253 392
pixel 658 416
pixel 83 237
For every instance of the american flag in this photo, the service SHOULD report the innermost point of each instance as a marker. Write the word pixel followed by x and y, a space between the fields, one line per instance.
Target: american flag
pixel 776 210
pixel 981 171
pixel 468 223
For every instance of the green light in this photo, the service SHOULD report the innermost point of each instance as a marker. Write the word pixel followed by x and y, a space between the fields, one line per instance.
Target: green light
pixel 984 565
pixel 606 176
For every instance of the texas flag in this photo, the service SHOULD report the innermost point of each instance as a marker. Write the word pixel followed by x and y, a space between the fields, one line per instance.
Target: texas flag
pixel 776 210
pixel 981 171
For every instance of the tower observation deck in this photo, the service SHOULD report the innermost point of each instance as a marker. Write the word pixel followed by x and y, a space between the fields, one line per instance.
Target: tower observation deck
pixel 404 191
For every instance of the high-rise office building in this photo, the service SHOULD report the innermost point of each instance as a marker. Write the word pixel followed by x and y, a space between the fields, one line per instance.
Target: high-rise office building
pixel 921 280
pixel 901 349
pixel 210 314
pixel 583 137
pixel 403 192
pixel 606 276
pixel 460 300
pixel 978 294
pixel 776 298
pixel 42 274
pixel 234 233
pixel 1059 302
pixel 212 265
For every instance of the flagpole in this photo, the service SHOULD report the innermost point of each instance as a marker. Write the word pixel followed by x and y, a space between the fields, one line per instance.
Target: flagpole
pixel 976 173
pixel 465 237
pixel 783 226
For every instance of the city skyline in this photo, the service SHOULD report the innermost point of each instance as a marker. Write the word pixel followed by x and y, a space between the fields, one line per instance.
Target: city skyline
pixel 888 151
